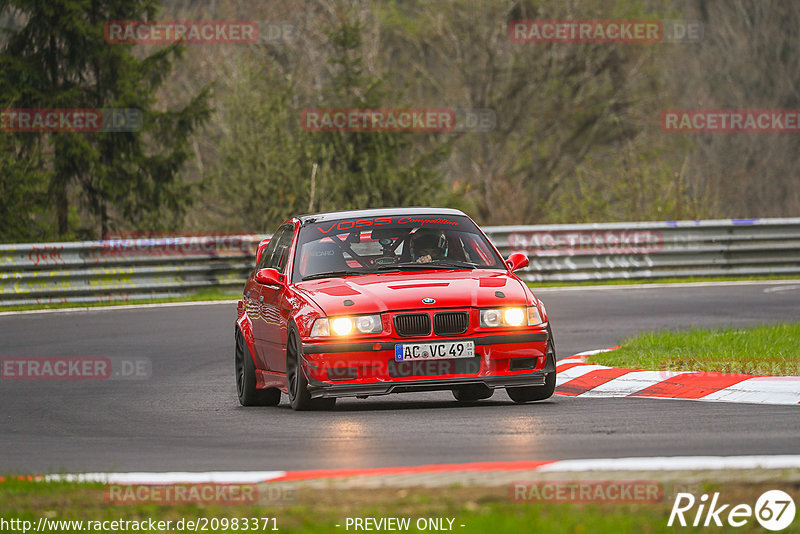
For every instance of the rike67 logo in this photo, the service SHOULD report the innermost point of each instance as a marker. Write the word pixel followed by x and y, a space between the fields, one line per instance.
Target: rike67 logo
pixel 774 510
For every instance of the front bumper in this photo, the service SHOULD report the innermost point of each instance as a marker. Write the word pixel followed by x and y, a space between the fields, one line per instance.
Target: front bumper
pixel 376 372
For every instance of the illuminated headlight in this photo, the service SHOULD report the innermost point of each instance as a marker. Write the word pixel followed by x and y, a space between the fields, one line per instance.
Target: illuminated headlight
pixel 343 326
pixel 495 317
pixel 514 316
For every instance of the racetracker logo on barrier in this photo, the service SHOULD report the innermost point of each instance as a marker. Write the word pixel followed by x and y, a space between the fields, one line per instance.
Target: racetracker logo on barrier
pixel 588 491
pixel 197 31
pixel 74 368
pixel 398 120
pixel 730 121
pixel 605 31
pixel 173 244
pixel 43 120
pixel 576 242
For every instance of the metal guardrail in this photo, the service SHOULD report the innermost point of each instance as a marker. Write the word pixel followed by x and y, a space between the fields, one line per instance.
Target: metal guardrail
pixel 122 269
pixel 131 269
pixel 651 250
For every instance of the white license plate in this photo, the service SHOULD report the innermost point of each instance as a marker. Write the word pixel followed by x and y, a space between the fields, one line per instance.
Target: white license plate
pixel 434 351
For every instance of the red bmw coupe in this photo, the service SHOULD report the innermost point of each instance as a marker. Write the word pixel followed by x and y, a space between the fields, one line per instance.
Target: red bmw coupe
pixel 371 302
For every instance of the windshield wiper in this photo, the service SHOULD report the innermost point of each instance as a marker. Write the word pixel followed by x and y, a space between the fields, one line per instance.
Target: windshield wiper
pixel 331 274
pixel 401 266
pixel 428 265
pixel 454 263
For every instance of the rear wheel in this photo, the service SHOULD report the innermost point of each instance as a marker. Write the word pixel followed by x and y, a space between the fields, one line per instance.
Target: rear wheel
pixel 296 381
pixel 472 393
pixel 249 395
pixel 536 393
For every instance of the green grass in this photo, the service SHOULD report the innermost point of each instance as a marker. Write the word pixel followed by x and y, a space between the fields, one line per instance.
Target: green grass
pixel 194 296
pixel 480 510
pixel 772 350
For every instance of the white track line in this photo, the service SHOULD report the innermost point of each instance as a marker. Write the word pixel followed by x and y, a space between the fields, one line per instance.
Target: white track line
pixel 538 290
pixel 677 463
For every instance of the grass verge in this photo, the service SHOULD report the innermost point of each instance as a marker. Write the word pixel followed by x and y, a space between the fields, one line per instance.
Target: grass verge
pixel 770 350
pixel 479 510
pixel 194 296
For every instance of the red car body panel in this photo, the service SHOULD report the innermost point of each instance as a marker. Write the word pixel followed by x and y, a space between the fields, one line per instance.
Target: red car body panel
pixel 364 364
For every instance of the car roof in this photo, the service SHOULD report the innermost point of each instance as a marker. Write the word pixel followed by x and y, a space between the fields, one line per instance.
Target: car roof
pixel 381 212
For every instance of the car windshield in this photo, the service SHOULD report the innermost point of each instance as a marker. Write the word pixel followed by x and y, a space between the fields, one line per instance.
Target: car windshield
pixel 381 244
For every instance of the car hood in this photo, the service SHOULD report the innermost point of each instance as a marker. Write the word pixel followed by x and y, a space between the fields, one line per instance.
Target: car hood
pixel 405 291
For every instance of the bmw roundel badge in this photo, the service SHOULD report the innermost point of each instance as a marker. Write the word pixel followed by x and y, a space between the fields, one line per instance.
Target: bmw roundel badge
pixel 428 300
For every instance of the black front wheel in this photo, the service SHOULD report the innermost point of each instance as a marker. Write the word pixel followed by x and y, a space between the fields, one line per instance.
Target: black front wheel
pixel 249 395
pixel 524 394
pixel 296 381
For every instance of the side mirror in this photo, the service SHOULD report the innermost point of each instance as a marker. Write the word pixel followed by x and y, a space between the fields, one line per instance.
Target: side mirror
pixel 517 260
pixel 261 246
pixel 270 277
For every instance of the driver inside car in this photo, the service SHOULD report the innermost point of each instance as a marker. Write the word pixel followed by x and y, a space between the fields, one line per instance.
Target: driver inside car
pixel 428 246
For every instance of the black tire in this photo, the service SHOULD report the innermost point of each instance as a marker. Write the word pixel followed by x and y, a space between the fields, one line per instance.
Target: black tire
pixel 524 394
pixel 249 395
pixel 472 393
pixel 296 381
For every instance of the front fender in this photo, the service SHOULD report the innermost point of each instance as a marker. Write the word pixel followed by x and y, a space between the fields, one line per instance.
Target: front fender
pixel 245 326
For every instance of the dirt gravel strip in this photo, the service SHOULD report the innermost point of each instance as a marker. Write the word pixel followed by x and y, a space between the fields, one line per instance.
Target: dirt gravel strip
pixel 576 378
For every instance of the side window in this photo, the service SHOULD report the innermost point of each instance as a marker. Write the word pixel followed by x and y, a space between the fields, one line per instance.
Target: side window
pixel 267 254
pixel 280 254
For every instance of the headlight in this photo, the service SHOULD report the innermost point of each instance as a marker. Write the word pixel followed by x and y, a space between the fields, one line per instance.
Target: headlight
pixel 495 317
pixel 343 326
pixel 491 318
pixel 514 316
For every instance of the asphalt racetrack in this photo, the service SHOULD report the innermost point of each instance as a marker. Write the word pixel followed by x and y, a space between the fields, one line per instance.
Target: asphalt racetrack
pixel 186 415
